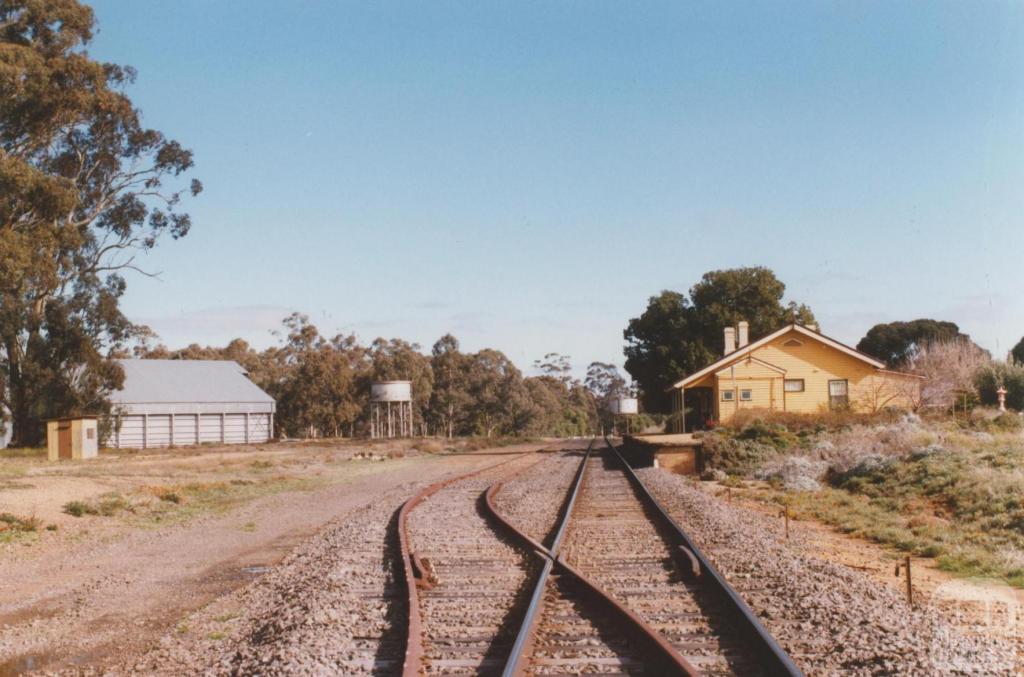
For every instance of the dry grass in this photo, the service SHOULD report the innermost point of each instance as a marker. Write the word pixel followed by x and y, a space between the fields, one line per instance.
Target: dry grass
pixel 23 452
pixel 107 505
pixel 13 527
pixel 430 446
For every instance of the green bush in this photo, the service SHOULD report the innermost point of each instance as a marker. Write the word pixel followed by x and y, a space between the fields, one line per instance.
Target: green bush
pixel 734 455
pixel 15 523
pixel 872 469
pixel 1010 376
pixel 774 434
pixel 78 508
pixel 107 505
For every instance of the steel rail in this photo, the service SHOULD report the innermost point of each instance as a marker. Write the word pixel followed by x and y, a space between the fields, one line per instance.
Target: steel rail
pixel 412 573
pixel 660 651
pixel 514 664
pixel 774 659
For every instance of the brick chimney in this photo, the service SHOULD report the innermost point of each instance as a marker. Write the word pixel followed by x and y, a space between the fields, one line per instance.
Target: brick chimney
pixel 744 334
pixel 730 340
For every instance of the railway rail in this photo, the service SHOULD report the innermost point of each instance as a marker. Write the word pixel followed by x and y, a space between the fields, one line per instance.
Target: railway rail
pixel 616 587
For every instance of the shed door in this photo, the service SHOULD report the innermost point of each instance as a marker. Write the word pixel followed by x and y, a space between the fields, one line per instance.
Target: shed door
pixel 64 439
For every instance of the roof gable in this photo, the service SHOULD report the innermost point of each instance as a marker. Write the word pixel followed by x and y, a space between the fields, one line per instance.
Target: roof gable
pixel 191 381
pixel 748 359
pixel 746 350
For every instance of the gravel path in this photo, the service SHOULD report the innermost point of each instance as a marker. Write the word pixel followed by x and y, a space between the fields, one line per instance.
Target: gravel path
pixel 832 620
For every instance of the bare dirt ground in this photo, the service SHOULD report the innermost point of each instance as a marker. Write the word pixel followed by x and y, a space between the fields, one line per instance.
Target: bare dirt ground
pixel 173 532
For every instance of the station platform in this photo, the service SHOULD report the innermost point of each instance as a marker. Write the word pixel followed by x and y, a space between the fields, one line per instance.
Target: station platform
pixel 678 452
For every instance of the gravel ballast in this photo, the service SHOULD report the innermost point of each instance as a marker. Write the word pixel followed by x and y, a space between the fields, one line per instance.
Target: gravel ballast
pixel 329 607
pixel 831 619
pixel 532 499
pixel 475 573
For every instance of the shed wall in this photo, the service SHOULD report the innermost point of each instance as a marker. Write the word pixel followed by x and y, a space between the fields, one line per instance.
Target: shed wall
pixel 155 430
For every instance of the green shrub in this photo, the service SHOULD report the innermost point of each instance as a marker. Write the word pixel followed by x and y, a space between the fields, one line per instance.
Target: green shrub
pixel 111 504
pixel 15 523
pixel 79 508
pixel 107 505
pixel 735 456
pixel 1010 376
pixel 872 469
pixel 808 424
pixel 774 434
pixel 1008 422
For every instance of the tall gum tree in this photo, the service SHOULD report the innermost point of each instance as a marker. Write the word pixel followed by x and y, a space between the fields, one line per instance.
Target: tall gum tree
pixel 84 189
pixel 678 334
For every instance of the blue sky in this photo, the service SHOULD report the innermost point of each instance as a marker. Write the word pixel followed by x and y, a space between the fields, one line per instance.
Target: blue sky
pixel 526 175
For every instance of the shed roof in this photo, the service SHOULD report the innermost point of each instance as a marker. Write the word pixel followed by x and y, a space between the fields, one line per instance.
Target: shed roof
pixel 186 381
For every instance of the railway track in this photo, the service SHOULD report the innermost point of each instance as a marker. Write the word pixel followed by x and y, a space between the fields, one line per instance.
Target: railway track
pixel 460 576
pixel 615 587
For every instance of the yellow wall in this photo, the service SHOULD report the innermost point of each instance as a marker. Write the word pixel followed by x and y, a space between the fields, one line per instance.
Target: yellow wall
pixel 869 389
pixel 82 446
pixel 51 440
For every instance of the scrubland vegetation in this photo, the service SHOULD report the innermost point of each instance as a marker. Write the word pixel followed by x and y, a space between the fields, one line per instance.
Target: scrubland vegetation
pixel 943 487
pixel 153 504
pixel 946 483
pixel 14 526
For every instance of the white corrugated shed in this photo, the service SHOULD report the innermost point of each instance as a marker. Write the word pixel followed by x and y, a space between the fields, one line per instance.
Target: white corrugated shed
pixel 185 402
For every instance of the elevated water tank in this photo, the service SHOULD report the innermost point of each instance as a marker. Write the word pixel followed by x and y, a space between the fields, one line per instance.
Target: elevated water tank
pixel 624 405
pixel 391 391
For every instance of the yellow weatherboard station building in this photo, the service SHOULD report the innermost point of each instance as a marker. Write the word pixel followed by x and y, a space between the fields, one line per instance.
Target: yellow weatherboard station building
pixel 795 369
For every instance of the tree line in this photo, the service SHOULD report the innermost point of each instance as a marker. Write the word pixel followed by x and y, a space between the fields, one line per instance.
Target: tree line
pixel 322 385
pixel 679 334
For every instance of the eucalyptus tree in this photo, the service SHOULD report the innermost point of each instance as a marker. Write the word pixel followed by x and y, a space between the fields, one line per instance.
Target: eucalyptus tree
pixel 398 360
pixel 85 188
pixel 1017 352
pixel 494 382
pixel 450 399
pixel 678 334
pixel 899 342
pixel 605 384
pixel 317 380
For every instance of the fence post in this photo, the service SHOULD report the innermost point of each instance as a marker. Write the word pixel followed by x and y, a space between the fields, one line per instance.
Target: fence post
pixel 910 589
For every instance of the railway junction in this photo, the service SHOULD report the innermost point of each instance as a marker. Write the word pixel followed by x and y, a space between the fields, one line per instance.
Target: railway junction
pixel 565 560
